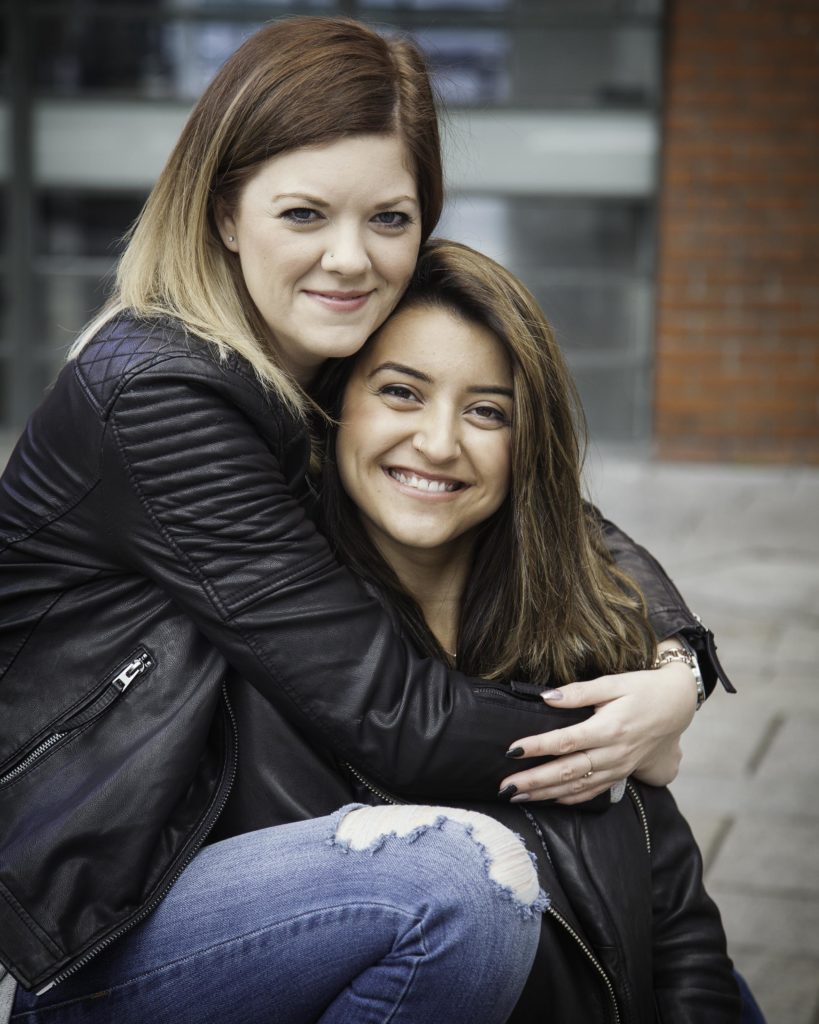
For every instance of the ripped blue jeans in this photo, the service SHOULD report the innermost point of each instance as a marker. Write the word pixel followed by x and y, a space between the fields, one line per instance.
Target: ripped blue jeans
pixel 373 914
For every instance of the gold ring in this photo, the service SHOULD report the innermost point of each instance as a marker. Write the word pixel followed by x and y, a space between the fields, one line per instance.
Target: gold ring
pixel 590 772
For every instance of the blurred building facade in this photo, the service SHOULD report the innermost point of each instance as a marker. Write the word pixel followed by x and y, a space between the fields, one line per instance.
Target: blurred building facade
pixel 737 349
pixel 569 129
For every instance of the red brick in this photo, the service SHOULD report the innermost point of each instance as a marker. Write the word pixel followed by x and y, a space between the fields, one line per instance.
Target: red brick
pixel 737 367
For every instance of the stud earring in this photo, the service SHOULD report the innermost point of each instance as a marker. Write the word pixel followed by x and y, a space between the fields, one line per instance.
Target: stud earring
pixel 231 238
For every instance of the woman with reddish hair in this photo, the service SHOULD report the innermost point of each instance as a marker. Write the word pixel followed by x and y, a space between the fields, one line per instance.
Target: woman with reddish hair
pixel 159 558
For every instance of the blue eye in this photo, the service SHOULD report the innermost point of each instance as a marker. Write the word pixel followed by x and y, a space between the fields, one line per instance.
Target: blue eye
pixel 301 215
pixel 392 219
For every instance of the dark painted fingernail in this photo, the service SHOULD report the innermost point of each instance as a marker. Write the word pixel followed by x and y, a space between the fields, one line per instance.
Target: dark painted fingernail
pixel 507 791
pixel 520 798
pixel 552 695
pixel 514 752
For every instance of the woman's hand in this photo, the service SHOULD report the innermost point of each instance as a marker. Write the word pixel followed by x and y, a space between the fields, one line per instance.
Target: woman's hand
pixel 635 730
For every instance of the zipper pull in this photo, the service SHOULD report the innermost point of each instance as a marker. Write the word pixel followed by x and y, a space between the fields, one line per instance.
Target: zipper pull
pixel 131 671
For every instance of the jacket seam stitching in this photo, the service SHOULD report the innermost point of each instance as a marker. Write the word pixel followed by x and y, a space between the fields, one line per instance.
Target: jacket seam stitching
pixel 198 574
pixel 208 357
pixel 204 372
pixel 50 519
pixel 217 601
pixel 31 923
pixel 15 655
pixel 303 573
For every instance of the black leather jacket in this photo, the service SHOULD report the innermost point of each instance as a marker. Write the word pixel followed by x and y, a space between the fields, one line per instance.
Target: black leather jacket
pixel 630 935
pixel 153 547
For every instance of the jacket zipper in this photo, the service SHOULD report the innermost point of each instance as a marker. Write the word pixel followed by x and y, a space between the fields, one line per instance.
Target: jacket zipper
pixel 591 958
pixel 380 793
pixel 641 811
pixel 29 760
pixel 133 669
pixel 120 683
pixel 568 928
pixel 194 849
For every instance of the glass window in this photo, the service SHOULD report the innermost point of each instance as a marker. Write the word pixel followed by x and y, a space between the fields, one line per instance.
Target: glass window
pixel 91 52
pixel 252 6
pixel 67 298
pixel 565 9
pixel 4 61
pixel 540 63
pixel 77 223
pixel 78 241
pixel 469 68
pixel 132 55
pixel 545 66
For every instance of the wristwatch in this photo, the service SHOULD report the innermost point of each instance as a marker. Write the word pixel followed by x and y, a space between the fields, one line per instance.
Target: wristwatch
pixel 686 654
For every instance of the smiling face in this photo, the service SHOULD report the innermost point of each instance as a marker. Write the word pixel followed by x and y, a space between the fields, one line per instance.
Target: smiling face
pixel 327 238
pixel 424 445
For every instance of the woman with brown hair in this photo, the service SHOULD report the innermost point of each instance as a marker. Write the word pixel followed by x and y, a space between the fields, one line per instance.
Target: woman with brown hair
pixel 452 487
pixel 159 560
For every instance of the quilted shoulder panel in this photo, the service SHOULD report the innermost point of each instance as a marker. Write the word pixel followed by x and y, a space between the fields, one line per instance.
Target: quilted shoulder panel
pixel 126 346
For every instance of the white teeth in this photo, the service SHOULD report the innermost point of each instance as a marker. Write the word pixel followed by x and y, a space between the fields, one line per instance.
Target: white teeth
pixel 421 483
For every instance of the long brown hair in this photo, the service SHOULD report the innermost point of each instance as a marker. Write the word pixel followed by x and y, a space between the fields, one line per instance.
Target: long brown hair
pixel 544 600
pixel 297 82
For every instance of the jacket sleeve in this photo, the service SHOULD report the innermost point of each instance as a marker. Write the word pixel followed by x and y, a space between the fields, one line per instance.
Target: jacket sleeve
pixel 667 610
pixel 197 500
pixel 692 973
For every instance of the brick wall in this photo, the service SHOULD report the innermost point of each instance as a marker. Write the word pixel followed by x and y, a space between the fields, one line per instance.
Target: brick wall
pixel 737 370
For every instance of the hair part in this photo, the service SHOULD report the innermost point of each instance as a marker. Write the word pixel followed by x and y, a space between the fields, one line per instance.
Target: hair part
pixel 301 81
pixel 543 600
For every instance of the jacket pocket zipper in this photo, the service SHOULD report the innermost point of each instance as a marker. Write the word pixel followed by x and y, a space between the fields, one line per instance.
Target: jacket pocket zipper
pixel 137 666
pixel 210 818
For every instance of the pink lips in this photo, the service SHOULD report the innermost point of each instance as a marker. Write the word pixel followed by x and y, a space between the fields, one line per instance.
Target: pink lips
pixel 340 302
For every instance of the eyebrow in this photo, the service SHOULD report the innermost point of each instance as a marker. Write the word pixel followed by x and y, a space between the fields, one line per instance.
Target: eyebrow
pixel 409 371
pixel 315 201
pixel 304 197
pixel 396 201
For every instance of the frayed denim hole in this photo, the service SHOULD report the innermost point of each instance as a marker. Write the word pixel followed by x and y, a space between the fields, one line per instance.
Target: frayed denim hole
pixel 368 831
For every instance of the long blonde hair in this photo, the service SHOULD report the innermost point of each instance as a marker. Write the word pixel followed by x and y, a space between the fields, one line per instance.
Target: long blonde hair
pixel 544 600
pixel 297 82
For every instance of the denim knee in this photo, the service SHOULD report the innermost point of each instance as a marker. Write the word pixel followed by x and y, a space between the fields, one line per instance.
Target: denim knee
pixel 509 867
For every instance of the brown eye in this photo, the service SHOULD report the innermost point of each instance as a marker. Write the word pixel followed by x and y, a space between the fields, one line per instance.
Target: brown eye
pixel 400 391
pixel 490 414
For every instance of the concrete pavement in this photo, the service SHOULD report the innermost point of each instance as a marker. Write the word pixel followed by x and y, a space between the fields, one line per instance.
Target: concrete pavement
pixel 742 543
